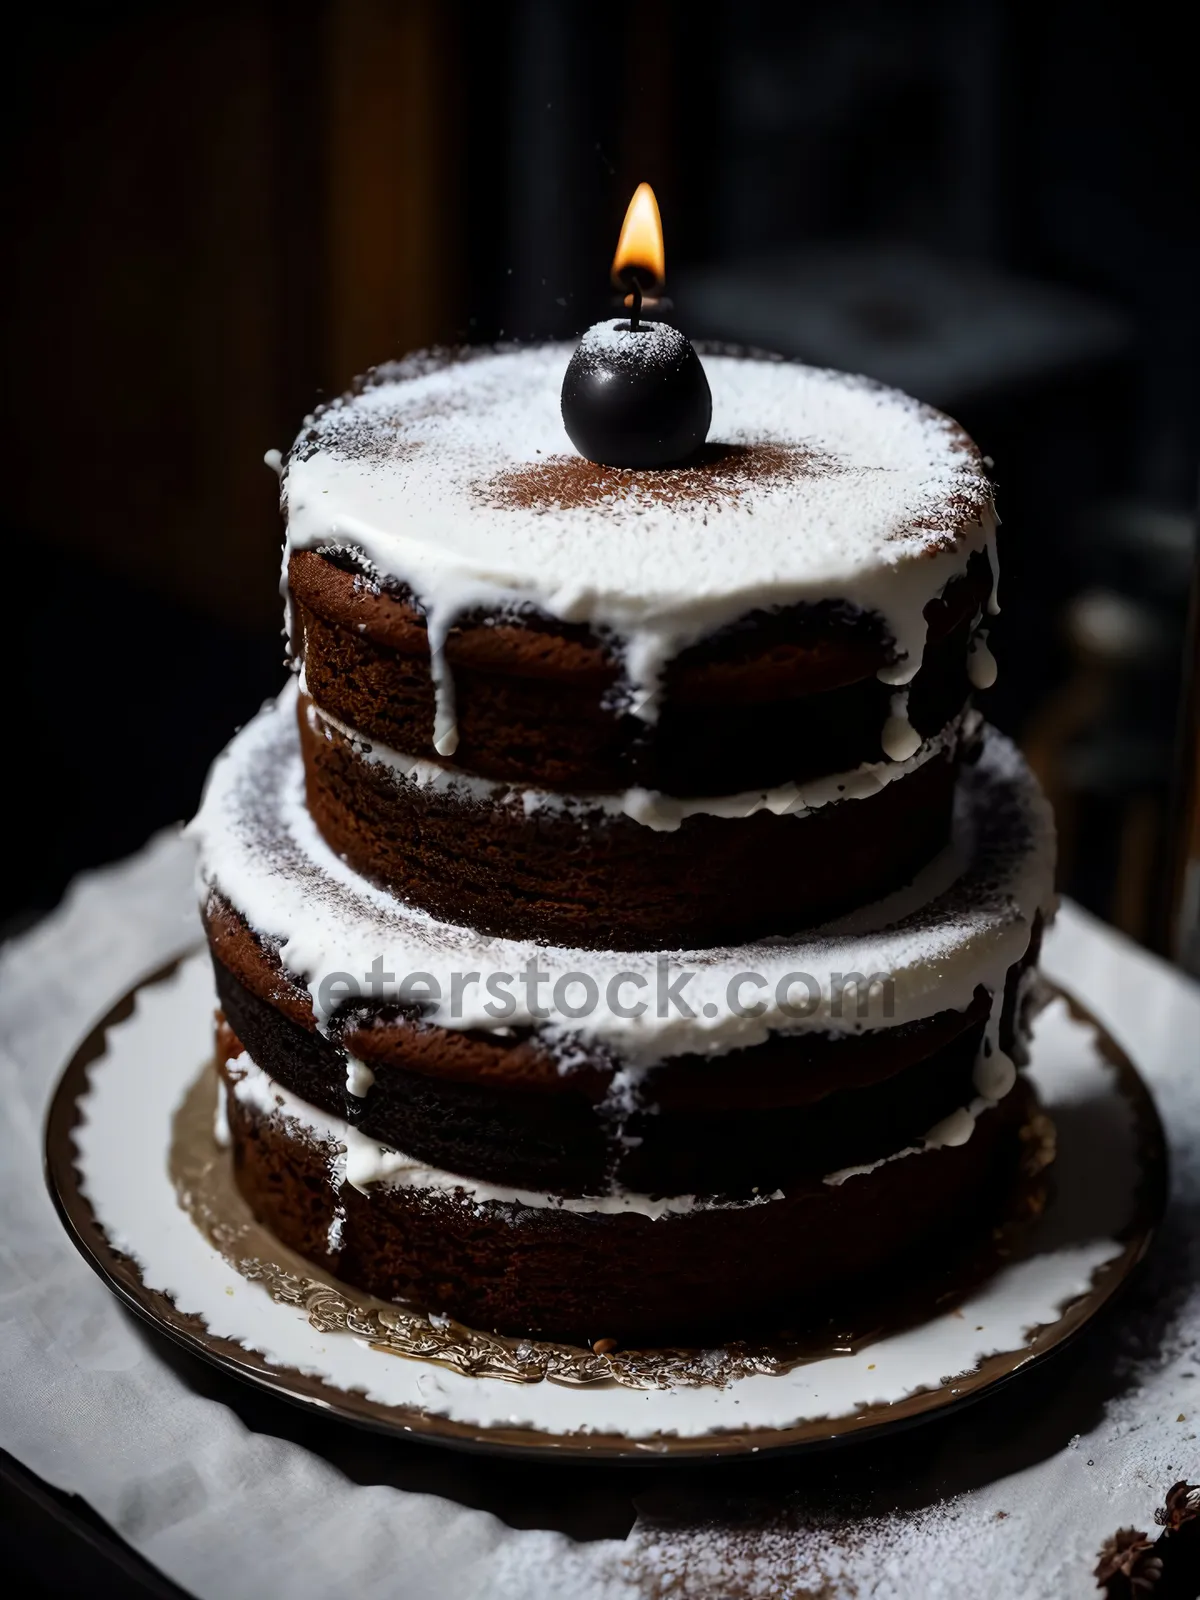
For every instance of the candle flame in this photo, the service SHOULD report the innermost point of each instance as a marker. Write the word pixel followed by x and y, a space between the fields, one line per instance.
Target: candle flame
pixel 640 250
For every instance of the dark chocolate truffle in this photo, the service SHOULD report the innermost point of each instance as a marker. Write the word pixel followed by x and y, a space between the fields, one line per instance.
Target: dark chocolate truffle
pixel 636 397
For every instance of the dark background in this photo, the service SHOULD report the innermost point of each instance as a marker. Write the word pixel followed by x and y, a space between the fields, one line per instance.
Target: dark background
pixel 217 214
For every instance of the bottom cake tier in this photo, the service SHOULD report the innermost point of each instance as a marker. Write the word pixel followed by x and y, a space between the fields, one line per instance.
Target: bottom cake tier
pixel 631 1268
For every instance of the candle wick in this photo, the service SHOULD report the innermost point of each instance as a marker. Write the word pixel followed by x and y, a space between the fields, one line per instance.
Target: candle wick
pixel 636 307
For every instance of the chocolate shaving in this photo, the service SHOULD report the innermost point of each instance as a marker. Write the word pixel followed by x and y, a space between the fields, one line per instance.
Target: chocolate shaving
pixel 1132 1565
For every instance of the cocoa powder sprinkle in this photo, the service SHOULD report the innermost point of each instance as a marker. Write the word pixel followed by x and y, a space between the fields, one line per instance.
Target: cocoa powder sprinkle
pixel 718 476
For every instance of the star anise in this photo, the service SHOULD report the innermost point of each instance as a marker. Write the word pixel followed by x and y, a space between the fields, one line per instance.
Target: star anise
pixel 1178 1545
pixel 1128 1566
pixel 1182 1506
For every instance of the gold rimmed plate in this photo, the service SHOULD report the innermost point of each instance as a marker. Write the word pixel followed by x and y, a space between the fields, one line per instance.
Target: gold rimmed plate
pixel 149 1199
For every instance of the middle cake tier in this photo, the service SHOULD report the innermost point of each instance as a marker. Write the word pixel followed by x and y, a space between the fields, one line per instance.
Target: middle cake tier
pixel 636 870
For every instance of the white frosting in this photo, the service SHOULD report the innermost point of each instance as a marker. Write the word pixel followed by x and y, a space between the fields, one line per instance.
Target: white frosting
pixel 359 1077
pixel 953 1130
pixel 653 809
pixel 981 663
pixel 963 923
pixel 900 740
pixel 364 1164
pixel 995 1074
pixel 409 474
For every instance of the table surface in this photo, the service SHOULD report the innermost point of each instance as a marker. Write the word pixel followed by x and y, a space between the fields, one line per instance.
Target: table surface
pixel 227 1490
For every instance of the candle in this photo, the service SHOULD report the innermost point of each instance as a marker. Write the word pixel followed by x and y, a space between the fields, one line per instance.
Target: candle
pixel 635 393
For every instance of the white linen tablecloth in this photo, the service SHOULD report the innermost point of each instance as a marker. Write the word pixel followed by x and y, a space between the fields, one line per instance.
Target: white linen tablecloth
pixel 235 1494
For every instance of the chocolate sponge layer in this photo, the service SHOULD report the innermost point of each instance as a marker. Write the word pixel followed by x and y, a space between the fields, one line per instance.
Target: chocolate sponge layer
pixel 785 695
pixel 698 1277
pixel 592 880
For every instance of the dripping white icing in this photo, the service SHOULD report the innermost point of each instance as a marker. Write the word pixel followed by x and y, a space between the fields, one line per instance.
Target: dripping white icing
pixel 650 807
pixel 410 473
pixel 953 1130
pixel 900 739
pixel 221 1119
pixel 993 604
pixel 445 715
pixel 995 1074
pixel 981 663
pixel 359 1077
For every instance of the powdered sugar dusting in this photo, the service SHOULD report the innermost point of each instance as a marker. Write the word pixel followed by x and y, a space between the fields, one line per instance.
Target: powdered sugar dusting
pixel 654 343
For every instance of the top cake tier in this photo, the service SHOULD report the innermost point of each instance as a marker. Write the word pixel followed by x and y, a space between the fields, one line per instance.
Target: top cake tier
pixel 798 601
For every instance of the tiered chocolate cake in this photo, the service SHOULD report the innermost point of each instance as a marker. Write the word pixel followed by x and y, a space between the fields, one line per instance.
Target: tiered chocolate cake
pixel 622 925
